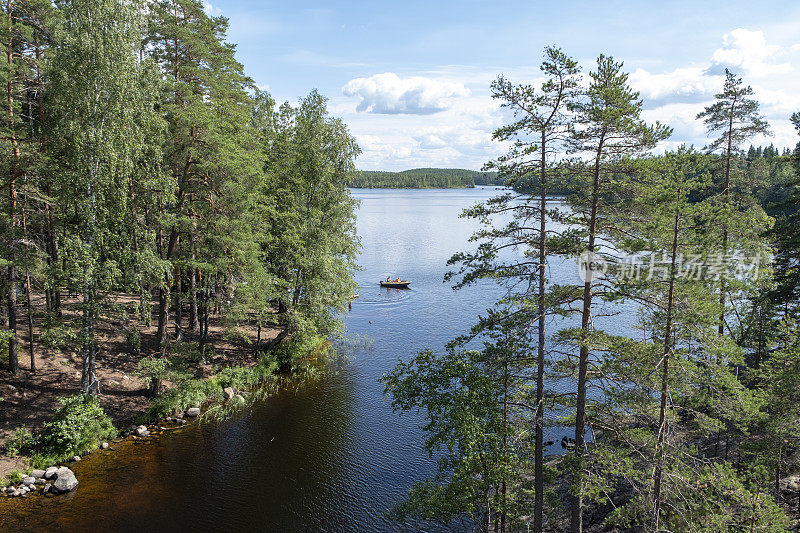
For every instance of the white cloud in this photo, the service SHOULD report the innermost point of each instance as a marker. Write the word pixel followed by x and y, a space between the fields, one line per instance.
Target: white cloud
pixel 748 51
pixel 445 117
pixel 210 10
pixel 688 84
pixel 390 94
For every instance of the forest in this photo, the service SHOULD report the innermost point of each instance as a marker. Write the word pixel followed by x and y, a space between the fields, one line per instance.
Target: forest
pixel 422 178
pixel 687 423
pixel 147 180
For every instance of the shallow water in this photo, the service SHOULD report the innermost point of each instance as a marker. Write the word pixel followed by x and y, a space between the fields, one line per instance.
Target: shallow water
pixel 323 456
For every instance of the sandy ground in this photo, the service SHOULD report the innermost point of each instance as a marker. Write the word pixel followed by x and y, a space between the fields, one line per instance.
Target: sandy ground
pixel 31 398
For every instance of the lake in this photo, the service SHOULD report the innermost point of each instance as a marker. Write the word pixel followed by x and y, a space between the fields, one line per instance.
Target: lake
pixel 329 455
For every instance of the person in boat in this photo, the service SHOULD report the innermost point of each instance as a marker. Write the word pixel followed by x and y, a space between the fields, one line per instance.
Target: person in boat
pixel 388 279
pixel 398 280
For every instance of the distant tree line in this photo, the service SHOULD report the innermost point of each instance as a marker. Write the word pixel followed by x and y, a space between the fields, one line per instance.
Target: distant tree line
pixel 423 178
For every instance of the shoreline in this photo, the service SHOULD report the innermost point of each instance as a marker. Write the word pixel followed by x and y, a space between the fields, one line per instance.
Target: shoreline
pixel 31 399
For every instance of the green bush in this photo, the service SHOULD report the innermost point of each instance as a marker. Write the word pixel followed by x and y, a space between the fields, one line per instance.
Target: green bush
pixel 78 426
pixel 153 370
pixel 133 338
pixel 59 337
pixel 5 334
pixel 21 441
pixel 192 392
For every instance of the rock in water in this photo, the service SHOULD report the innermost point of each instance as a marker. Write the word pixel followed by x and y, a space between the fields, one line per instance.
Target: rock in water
pixel 193 411
pixel 142 431
pixel 37 473
pixel 104 446
pixel 51 472
pixel 228 393
pixel 27 481
pixel 66 481
pixel 76 458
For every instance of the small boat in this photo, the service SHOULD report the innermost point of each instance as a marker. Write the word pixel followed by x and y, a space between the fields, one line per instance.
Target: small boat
pixel 402 284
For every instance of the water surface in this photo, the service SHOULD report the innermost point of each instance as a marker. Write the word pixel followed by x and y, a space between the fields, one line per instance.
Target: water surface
pixel 324 456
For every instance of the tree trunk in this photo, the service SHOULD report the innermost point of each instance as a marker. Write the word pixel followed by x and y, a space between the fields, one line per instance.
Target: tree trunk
pixel 30 320
pixel 576 519
pixel 13 360
pixel 538 507
pixel 193 276
pixel 163 296
pixel 178 306
pixel 662 415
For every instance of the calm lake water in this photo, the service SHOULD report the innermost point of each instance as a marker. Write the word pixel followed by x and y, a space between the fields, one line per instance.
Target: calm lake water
pixel 325 456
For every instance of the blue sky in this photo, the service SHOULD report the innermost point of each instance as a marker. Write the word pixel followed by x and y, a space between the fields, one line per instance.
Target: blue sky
pixel 411 79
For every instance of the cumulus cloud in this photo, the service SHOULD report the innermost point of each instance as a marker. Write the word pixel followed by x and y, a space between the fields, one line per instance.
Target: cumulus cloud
pixel 748 51
pixel 390 94
pixel 689 84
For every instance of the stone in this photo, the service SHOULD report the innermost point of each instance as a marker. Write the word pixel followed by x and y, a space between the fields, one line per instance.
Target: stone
pixel 104 445
pixel 40 481
pixel 37 473
pixel 228 393
pixel 193 411
pixel 180 421
pixel 51 472
pixel 791 483
pixel 47 488
pixel 66 481
pixel 240 398
pixel 76 458
pixel 28 480
pixel 142 431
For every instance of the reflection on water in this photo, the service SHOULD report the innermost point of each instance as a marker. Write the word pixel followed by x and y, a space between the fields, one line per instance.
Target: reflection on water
pixel 323 456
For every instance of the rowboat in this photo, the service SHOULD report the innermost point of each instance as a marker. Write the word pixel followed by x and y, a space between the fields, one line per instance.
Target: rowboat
pixel 395 284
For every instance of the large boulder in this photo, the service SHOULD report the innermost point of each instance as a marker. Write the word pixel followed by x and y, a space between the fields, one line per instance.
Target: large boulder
pixel 51 472
pixel 193 411
pixel 66 481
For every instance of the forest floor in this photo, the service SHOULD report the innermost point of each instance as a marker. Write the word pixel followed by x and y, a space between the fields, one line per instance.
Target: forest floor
pixel 30 399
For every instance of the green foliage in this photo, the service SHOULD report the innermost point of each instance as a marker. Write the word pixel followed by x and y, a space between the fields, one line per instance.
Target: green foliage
pixel 20 442
pixel 196 392
pixel 422 178
pixel 133 338
pixel 78 426
pixel 59 337
pixel 152 369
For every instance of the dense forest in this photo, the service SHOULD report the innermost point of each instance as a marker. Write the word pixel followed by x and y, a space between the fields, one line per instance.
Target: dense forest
pixel 422 178
pixel 147 178
pixel 690 422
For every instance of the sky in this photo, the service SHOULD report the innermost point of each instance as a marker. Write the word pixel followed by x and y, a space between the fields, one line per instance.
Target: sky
pixel 411 79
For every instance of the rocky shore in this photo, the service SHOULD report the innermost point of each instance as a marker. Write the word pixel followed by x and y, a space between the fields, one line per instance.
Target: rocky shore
pixel 57 480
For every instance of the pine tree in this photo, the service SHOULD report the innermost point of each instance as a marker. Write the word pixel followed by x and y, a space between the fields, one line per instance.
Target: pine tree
pixel 608 129
pixel 539 130
pixel 736 118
